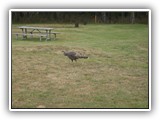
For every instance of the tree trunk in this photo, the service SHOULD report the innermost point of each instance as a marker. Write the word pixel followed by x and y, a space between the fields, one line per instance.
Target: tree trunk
pixel 122 14
pixel 77 25
pixel 132 17
pixel 104 17
pixel 95 18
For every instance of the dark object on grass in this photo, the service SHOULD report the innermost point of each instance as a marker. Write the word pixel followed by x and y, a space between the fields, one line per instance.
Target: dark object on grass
pixel 73 56
pixel 76 24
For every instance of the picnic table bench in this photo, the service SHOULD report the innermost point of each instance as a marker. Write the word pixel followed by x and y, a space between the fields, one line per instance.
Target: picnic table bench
pixel 40 31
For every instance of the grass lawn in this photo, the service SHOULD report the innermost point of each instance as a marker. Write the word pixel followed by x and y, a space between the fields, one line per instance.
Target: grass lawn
pixel 114 76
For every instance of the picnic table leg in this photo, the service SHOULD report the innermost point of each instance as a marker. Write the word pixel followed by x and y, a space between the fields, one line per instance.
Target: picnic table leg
pixel 23 33
pixel 40 38
pixel 49 34
pixel 26 32
pixel 55 35
pixel 31 36
pixel 46 35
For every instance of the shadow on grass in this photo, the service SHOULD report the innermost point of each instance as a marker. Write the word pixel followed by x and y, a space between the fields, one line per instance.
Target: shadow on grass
pixel 37 40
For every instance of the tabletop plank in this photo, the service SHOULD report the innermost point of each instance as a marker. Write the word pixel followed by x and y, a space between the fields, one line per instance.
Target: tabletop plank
pixel 40 28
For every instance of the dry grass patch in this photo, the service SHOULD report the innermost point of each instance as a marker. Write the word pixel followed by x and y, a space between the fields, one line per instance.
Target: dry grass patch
pixel 57 82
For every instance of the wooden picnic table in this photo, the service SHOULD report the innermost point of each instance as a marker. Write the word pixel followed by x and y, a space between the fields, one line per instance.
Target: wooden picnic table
pixel 40 30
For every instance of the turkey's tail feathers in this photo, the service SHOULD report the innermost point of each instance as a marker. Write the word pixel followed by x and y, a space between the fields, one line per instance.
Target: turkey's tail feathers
pixel 85 57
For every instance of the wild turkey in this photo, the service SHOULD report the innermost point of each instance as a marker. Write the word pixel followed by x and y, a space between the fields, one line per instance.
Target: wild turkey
pixel 73 56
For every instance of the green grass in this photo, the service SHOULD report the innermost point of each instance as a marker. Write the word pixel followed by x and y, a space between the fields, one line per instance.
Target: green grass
pixel 114 76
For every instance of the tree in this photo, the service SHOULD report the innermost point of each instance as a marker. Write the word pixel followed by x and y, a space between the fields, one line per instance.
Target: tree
pixel 104 17
pixel 132 17
pixel 80 17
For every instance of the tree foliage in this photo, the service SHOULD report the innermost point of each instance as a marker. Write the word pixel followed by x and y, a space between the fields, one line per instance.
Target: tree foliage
pixel 80 17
